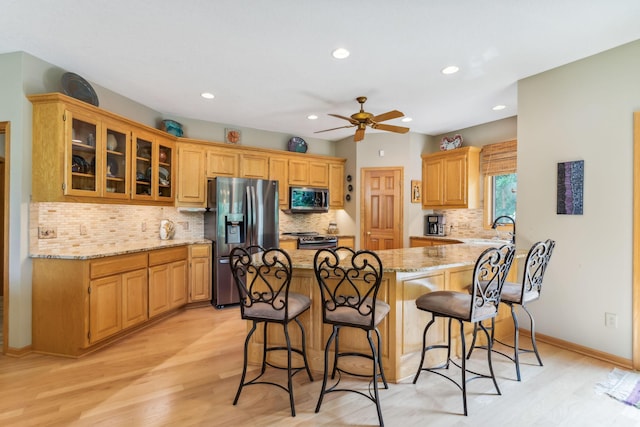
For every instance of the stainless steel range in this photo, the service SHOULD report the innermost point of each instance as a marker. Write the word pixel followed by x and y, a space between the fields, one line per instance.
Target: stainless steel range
pixel 313 240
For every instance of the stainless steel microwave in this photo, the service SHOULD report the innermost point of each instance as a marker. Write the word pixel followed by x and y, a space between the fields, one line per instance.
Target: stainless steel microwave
pixel 308 199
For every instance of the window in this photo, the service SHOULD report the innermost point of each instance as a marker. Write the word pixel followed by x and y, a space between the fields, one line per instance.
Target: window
pixel 500 181
pixel 502 197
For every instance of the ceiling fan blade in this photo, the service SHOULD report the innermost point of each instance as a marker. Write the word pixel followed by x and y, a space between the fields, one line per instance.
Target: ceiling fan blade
pixel 352 121
pixel 390 128
pixel 359 136
pixel 393 114
pixel 327 130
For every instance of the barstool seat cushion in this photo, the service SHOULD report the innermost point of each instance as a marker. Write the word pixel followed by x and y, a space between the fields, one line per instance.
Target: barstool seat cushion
pixel 452 304
pixel 351 315
pixel 511 292
pixel 262 310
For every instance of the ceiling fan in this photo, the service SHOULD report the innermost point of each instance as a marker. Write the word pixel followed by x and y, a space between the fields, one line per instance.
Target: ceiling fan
pixel 362 119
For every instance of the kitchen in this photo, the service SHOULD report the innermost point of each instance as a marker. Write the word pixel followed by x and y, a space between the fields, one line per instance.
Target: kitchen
pixel 550 129
pixel 19 337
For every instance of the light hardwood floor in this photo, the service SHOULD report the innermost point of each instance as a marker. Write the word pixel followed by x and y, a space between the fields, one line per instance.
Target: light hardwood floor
pixel 185 372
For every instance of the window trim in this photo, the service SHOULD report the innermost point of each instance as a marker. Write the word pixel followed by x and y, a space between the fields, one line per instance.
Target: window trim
pixel 487 220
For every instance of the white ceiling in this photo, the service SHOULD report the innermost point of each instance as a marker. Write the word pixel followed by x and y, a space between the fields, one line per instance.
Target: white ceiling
pixel 269 64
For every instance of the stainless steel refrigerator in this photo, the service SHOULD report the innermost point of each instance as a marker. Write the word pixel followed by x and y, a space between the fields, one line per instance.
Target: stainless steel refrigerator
pixel 241 212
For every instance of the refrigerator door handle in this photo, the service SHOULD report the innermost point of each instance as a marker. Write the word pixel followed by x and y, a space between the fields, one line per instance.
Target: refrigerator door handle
pixel 254 217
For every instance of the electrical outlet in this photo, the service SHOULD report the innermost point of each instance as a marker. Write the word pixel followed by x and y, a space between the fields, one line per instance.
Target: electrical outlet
pixel 184 225
pixel 47 232
pixel 83 229
pixel 611 320
pixel 144 226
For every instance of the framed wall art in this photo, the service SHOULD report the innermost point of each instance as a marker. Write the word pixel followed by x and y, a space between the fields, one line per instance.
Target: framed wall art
pixel 416 191
pixel 570 188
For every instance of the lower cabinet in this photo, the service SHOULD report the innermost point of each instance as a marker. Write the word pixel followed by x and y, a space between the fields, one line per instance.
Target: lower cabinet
pixel 117 302
pixel 167 279
pixel 348 241
pixel 289 244
pixel 199 273
pixel 81 305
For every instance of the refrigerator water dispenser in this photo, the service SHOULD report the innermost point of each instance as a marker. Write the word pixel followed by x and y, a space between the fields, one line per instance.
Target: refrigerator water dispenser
pixel 234 226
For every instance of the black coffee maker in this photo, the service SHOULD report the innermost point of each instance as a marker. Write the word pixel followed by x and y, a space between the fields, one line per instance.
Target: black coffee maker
pixel 434 225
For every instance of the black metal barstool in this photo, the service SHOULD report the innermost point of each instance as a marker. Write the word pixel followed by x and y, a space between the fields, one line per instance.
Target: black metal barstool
pixel 349 283
pixel 489 275
pixel 520 294
pixel 263 278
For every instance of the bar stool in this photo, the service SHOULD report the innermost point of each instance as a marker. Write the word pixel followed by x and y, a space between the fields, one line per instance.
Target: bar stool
pixel 489 275
pixel 263 278
pixel 520 294
pixel 349 283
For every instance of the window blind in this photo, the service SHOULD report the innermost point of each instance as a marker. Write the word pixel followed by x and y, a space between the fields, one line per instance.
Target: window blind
pixel 500 158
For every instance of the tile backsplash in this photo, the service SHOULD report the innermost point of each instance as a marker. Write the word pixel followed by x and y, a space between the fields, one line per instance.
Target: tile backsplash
pixel 468 223
pixel 55 225
pixel 91 224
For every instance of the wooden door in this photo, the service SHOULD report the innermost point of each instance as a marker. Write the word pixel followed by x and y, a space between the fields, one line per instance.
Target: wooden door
pixel 381 208
pixel 134 297
pixel 432 185
pixel 254 166
pixel 178 275
pixel 455 180
pixel 279 171
pixel 191 179
pixel 105 307
pixel 159 289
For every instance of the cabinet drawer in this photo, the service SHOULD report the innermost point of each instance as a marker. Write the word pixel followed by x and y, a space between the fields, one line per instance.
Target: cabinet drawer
pixel 118 264
pixel 163 256
pixel 200 251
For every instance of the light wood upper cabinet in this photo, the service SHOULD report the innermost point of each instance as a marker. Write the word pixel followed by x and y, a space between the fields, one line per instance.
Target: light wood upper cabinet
pixel 82 153
pixel 115 173
pixel 298 172
pixel 222 162
pixel 153 167
pixel 191 176
pixel 313 173
pixel 450 179
pixel 336 185
pixel 254 166
pixel 318 174
pixel 279 171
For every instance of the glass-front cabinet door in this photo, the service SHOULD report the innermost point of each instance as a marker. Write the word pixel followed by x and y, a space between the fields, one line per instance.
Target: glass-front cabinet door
pixel 116 171
pixel 144 181
pixel 165 171
pixel 81 158
pixel 153 167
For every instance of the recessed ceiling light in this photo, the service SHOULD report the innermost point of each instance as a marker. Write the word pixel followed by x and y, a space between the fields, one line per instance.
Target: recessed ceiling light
pixel 499 107
pixel 207 95
pixel 451 69
pixel 407 119
pixel 312 117
pixel 340 53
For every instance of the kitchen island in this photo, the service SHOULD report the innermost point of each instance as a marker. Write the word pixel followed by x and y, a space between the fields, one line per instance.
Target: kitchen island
pixel 408 273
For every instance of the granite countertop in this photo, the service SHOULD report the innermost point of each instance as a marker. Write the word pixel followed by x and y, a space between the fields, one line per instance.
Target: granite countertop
pixel 112 248
pixel 492 240
pixel 408 260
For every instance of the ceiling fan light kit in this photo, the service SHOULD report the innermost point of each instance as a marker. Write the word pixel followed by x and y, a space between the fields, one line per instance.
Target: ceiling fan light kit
pixel 362 119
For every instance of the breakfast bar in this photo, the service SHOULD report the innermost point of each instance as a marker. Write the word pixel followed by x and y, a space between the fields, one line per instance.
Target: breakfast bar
pixel 408 273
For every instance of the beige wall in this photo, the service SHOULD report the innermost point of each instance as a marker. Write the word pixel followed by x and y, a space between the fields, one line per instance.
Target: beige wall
pixel 582 111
